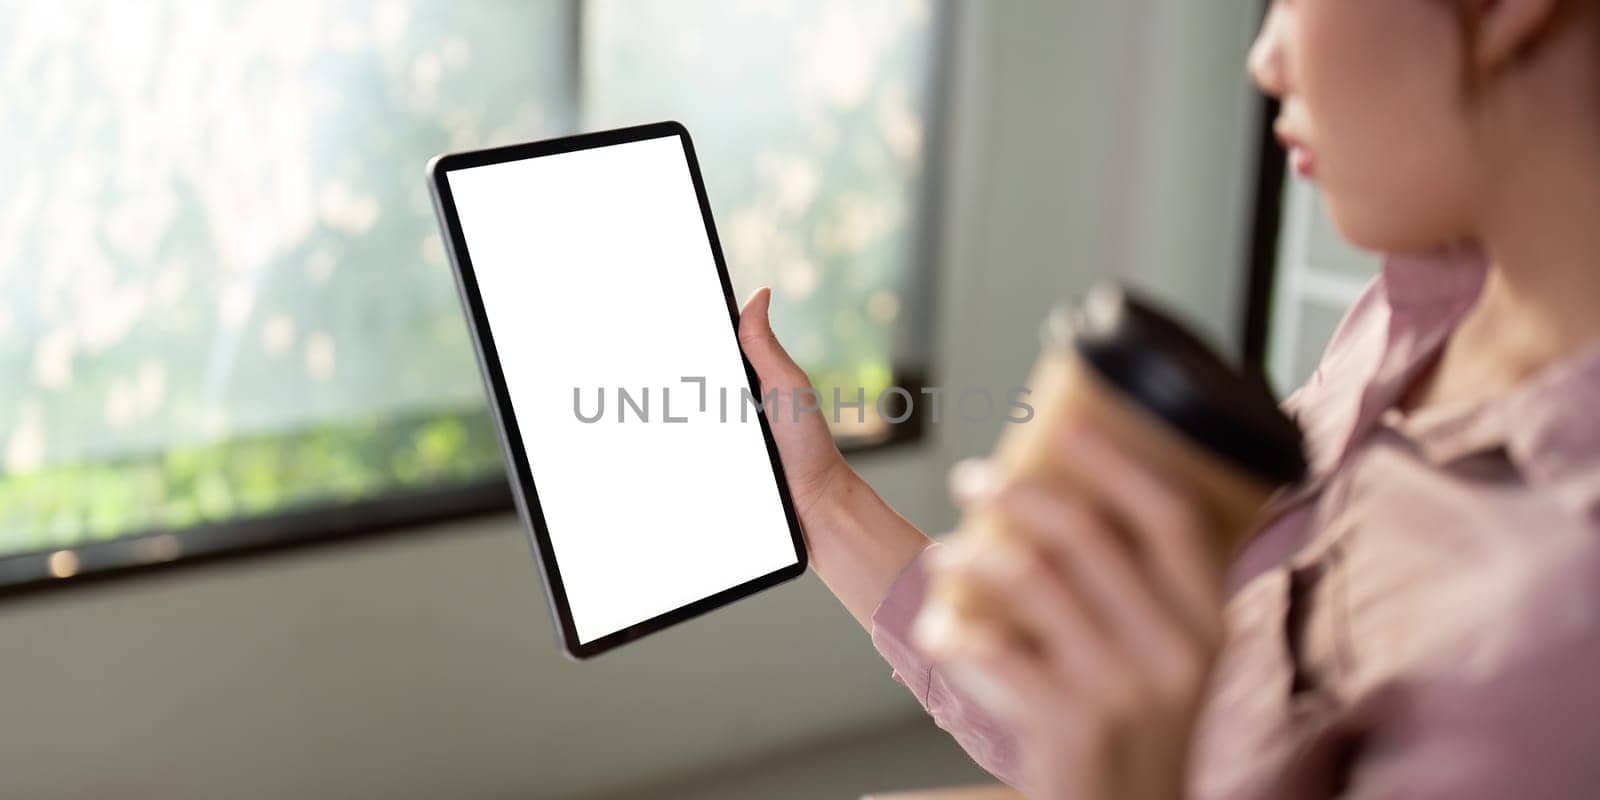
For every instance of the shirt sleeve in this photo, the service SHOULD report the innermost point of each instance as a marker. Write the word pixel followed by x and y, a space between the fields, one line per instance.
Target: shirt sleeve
pixel 984 738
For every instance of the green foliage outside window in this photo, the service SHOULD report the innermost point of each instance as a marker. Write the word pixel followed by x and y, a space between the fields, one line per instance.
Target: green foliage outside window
pixel 222 291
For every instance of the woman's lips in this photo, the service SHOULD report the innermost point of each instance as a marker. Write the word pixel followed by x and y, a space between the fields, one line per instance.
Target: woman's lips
pixel 1300 157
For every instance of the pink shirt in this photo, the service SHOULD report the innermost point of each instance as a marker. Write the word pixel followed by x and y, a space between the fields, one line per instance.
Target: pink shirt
pixel 1419 618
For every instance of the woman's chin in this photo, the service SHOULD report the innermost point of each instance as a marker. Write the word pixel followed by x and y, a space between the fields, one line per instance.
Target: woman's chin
pixel 1387 227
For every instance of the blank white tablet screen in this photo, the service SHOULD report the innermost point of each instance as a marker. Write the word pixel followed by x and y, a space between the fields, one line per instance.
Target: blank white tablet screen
pixel 596 274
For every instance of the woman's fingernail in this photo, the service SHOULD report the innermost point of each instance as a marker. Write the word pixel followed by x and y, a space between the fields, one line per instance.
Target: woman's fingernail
pixel 933 630
pixel 990 693
pixel 972 480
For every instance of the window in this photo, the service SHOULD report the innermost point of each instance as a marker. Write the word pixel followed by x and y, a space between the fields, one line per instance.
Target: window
pixel 1320 275
pixel 222 293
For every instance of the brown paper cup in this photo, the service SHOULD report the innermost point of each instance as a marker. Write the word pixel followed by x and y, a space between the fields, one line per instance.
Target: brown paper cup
pixel 1066 388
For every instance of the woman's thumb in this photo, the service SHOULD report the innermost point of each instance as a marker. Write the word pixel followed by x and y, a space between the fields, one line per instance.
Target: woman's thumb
pixel 759 343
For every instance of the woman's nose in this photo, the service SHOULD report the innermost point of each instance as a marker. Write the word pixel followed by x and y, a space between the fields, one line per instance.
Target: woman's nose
pixel 1266 55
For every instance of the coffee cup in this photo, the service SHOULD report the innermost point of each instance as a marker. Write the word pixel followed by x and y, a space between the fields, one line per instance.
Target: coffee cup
pixel 1117 365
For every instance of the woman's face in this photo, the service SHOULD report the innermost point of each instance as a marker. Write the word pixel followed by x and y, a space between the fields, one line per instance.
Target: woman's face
pixel 1375 110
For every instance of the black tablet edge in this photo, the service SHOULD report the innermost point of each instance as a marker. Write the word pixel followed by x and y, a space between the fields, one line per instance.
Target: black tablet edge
pixel 524 493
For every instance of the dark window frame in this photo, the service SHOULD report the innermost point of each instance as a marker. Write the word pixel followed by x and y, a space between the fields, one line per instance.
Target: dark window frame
pixel 322 524
pixel 1266 223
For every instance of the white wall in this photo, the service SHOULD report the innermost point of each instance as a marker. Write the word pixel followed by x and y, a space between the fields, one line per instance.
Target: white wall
pixel 1094 139
pixel 1089 137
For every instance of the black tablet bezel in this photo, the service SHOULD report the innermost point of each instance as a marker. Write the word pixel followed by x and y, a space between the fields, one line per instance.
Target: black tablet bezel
pixel 523 490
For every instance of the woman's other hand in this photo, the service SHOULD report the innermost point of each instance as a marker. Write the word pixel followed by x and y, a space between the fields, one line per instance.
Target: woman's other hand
pixel 1111 601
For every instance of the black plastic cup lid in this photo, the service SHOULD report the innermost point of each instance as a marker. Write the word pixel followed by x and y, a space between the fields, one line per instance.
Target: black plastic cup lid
pixel 1156 362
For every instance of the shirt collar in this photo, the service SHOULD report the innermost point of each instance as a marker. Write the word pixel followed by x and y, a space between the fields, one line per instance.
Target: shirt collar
pixel 1426 296
pixel 1551 432
pixel 1546 425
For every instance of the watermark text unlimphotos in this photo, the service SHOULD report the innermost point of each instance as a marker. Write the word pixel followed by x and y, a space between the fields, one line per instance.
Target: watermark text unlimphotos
pixel 694 399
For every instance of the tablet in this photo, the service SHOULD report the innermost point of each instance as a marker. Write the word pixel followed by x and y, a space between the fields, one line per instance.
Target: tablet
pixel 642 464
